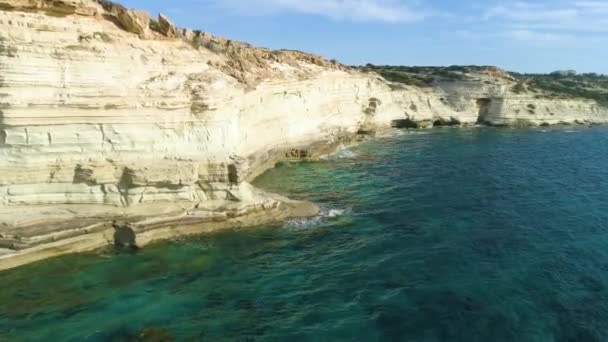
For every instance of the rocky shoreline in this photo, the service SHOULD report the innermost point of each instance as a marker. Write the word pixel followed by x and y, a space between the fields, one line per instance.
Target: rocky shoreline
pixel 153 229
pixel 106 113
pixel 88 228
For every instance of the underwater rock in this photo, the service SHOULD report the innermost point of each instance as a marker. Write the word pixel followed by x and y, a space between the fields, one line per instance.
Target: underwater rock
pixel 155 334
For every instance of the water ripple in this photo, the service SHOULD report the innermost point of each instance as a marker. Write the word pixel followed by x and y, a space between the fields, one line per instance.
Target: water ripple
pixel 439 235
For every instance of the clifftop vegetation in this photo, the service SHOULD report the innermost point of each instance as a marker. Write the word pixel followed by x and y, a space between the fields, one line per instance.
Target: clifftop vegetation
pixel 590 86
pixel 425 76
pixel 564 85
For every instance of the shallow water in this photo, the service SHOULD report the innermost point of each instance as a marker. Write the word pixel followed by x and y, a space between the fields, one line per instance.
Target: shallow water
pixel 452 235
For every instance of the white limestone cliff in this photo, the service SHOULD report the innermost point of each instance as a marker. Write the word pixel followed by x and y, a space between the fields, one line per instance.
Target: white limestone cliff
pixel 102 117
pixel 487 98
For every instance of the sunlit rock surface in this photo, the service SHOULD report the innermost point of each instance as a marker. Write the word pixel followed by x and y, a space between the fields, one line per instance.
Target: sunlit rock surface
pixel 105 113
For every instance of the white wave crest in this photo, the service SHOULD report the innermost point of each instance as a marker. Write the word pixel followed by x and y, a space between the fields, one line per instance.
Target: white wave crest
pixel 335 213
pixel 325 215
pixel 345 154
pixel 341 154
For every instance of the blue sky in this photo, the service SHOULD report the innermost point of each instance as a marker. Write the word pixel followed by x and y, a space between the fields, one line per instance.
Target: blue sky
pixel 526 36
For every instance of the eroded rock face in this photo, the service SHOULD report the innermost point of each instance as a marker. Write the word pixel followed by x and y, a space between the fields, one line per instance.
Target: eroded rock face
pixel 124 236
pixel 137 22
pixel 61 7
pixel 166 26
pixel 97 123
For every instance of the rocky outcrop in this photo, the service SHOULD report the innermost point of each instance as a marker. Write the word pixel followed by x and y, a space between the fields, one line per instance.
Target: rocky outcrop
pixel 56 7
pixel 166 26
pixel 103 118
pixel 137 22
pixel 482 95
pixel 494 103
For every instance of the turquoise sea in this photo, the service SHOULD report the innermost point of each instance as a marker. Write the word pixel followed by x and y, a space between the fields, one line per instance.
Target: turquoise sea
pixel 477 234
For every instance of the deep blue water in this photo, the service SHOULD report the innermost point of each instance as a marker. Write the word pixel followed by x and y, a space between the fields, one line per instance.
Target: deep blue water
pixel 443 235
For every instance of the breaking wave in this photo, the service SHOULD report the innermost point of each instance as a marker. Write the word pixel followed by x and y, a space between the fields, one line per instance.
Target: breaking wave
pixel 325 215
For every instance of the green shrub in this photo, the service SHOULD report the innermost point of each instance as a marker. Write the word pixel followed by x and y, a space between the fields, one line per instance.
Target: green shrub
pixel 155 26
pixel 518 88
pixel 588 86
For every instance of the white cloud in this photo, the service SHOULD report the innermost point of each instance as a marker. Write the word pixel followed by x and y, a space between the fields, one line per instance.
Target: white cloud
pixel 549 23
pixel 529 12
pixel 596 6
pixel 573 15
pixel 390 11
pixel 536 37
pixel 522 36
pixel 546 22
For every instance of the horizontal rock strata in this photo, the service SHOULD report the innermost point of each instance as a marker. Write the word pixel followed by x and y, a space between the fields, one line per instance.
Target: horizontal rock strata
pixel 107 114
